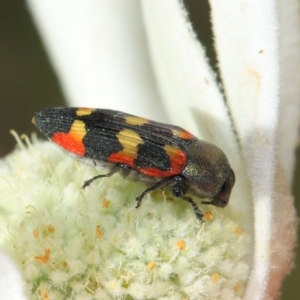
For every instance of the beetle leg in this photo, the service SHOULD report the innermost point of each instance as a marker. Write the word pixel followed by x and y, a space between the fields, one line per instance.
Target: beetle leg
pixel 157 185
pixel 179 191
pixel 111 172
pixel 198 212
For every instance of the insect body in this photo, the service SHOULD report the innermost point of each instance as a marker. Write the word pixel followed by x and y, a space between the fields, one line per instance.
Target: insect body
pixel 157 154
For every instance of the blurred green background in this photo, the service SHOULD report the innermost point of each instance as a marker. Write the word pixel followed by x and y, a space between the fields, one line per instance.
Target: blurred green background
pixel 28 82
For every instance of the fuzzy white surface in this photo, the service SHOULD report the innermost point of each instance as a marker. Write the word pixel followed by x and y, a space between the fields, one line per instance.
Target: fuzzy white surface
pixel 11 283
pixel 99 51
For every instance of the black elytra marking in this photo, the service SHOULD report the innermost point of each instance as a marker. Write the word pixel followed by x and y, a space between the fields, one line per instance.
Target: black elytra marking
pixel 102 127
pixel 101 148
pixel 154 156
pixel 100 139
pixel 56 119
pixel 111 122
pixel 154 131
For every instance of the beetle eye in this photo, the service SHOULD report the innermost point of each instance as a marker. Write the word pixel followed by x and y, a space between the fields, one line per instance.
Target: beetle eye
pixel 224 190
pixel 222 198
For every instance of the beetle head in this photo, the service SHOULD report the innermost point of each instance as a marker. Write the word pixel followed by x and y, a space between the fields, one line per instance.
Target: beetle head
pixel 208 173
pixel 222 198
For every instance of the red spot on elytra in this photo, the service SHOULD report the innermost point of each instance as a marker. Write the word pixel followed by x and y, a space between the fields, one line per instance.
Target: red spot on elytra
pixel 177 160
pixel 176 156
pixel 184 135
pixel 121 158
pixel 69 143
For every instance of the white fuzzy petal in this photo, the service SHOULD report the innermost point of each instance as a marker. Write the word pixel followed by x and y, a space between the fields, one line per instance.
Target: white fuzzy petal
pixel 99 51
pixel 289 114
pixel 189 89
pixel 247 44
pixel 284 232
pixel 185 79
pixel 11 283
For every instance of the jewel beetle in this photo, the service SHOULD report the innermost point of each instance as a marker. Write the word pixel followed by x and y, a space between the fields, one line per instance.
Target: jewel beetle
pixel 157 154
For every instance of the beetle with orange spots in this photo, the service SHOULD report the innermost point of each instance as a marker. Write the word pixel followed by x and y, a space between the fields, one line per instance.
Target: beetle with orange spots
pixel 160 155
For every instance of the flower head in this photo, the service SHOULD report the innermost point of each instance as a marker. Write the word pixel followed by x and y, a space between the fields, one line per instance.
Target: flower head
pixel 96 243
pixel 76 243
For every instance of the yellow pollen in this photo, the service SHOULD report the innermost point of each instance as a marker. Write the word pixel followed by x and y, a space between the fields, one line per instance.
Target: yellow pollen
pixel 181 244
pixel 105 203
pixel 208 215
pixel 151 265
pixel 43 258
pixel 51 228
pixel 35 233
pixel 238 230
pixel 215 277
pixel 99 232
pixel 154 193
pixel 44 294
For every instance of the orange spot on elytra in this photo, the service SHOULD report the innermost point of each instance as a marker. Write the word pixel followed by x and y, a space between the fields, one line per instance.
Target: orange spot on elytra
pixel 132 120
pixel 43 258
pixel 183 134
pixel 72 141
pixel 121 157
pixel 130 140
pixel 68 143
pixel 177 159
pixel 84 111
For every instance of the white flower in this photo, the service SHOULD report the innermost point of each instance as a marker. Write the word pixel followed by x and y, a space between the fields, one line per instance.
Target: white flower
pixel 134 56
